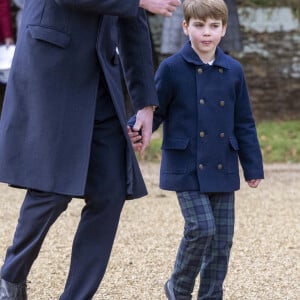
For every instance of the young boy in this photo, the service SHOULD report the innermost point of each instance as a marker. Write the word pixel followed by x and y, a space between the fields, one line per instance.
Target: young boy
pixel 207 126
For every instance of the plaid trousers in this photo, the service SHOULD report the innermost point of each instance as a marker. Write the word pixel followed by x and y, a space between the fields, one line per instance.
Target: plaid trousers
pixel 205 245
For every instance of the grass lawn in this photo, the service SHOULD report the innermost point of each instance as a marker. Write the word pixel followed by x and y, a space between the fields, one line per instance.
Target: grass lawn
pixel 280 141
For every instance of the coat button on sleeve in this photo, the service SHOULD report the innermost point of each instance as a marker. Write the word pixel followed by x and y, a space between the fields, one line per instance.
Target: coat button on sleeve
pixel 220 167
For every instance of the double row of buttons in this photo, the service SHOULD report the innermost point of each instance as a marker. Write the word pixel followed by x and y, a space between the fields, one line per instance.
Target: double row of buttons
pixel 202 133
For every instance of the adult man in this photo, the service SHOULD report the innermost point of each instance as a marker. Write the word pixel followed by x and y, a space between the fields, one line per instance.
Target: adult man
pixel 63 128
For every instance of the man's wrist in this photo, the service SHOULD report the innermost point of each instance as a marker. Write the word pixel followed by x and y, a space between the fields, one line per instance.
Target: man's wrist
pixel 141 3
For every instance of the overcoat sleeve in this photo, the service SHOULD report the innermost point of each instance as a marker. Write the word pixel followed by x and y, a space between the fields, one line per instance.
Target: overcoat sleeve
pixel 104 7
pixel 164 91
pixel 136 58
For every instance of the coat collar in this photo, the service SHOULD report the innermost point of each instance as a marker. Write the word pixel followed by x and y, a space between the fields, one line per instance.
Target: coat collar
pixel 190 56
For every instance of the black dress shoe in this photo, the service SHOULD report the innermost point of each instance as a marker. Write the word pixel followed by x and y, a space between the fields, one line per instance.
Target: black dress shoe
pixel 12 291
pixel 169 291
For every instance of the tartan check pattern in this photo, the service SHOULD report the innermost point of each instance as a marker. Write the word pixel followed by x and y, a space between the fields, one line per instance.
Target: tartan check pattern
pixel 205 246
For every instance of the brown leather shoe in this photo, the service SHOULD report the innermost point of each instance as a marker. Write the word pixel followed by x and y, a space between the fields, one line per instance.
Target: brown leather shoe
pixel 12 291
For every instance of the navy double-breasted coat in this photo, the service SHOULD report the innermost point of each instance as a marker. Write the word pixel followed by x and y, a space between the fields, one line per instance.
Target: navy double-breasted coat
pixel 208 124
pixel 48 114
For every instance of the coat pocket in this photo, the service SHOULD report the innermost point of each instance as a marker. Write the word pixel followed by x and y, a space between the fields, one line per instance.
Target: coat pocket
pixel 176 156
pixel 234 143
pixel 175 144
pixel 49 35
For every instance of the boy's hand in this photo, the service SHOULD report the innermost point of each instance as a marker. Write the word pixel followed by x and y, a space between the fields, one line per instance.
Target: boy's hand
pixel 135 138
pixel 161 7
pixel 254 182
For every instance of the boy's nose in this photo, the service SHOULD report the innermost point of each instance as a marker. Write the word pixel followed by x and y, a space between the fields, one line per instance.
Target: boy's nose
pixel 206 31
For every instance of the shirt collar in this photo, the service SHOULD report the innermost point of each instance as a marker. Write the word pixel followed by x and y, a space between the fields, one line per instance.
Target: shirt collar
pixel 190 56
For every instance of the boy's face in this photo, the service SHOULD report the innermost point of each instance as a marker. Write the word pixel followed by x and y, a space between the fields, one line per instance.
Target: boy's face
pixel 205 35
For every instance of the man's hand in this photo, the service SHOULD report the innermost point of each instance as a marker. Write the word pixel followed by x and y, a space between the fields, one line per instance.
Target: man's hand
pixel 254 183
pixel 161 7
pixel 143 123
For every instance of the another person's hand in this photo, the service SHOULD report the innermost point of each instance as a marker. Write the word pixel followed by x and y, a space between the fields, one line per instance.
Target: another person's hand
pixel 161 7
pixel 143 123
pixel 254 183
pixel 8 41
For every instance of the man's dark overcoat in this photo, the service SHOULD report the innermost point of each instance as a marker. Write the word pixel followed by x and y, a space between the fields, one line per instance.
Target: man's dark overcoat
pixel 48 115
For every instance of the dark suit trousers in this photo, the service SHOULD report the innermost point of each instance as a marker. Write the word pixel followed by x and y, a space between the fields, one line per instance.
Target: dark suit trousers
pixel 104 199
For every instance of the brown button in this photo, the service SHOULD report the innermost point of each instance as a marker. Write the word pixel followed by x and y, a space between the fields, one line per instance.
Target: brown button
pixel 220 70
pixel 220 167
pixel 202 134
pixel 222 134
pixel 201 101
pixel 222 103
pixel 201 167
pixel 200 71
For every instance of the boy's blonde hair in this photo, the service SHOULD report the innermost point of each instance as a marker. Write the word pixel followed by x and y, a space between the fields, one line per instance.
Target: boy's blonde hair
pixel 203 9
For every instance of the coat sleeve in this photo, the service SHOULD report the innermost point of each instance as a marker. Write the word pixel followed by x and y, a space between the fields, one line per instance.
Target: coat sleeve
pixel 163 85
pixel 245 130
pixel 135 51
pixel 103 7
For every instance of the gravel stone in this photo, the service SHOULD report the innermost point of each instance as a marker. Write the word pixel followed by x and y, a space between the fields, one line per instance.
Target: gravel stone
pixel 264 261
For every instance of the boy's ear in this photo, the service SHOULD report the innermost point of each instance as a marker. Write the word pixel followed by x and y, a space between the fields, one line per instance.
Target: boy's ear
pixel 185 27
pixel 224 29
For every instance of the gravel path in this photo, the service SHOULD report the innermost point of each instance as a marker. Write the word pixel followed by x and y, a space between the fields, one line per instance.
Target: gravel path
pixel 265 260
